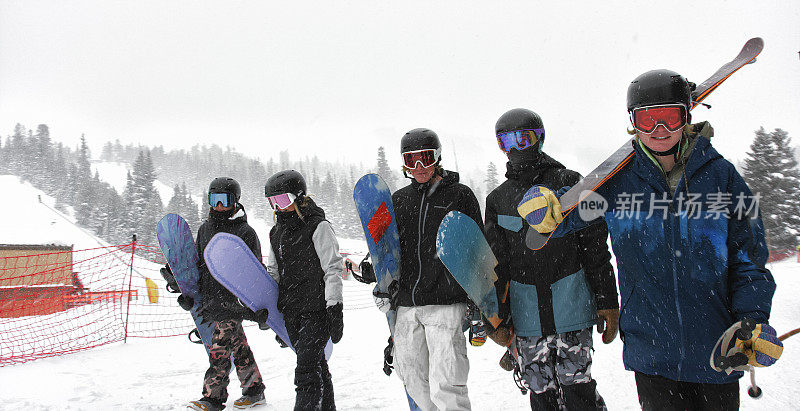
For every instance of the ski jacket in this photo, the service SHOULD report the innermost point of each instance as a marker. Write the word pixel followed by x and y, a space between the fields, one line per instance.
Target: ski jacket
pixel 690 262
pixel 304 260
pixel 419 209
pixel 217 303
pixel 560 287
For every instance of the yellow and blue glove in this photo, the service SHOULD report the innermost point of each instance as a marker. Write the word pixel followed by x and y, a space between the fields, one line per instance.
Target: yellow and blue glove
pixel 540 209
pixel 762 346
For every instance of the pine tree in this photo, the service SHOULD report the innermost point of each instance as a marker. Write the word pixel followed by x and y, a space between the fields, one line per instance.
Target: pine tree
pixel 491 178
pixel 770 170
pixel 384 170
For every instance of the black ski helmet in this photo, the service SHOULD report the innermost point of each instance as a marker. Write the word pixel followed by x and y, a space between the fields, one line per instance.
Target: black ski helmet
pixel 226 185
pixel 419 139
pixel 660 87
pixel 286 181
pixel 520 119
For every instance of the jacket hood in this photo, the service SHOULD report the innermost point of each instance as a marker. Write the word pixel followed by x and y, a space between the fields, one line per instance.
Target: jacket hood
pixel 235 215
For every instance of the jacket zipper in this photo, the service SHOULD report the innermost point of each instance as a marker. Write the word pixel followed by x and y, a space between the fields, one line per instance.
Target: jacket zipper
pixel 420 220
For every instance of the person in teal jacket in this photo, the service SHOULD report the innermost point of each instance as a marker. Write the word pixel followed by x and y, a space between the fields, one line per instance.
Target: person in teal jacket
pixel 690 249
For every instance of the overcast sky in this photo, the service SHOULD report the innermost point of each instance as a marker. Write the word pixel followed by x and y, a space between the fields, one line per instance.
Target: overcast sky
pixel 337 79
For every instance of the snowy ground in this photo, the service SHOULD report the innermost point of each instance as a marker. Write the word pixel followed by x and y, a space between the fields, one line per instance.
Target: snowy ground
pixel 165 373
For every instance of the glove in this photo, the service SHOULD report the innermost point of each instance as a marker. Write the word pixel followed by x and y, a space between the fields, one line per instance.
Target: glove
pixel 185 302
pixel 608 324
pixel 335 322
pixel 502 336
pixel 761 345
pixel 477 333
pixel 172 285
pixel 384 300
pixel 367 272
pixel 260 317
pixel 540 209
pixel 388 358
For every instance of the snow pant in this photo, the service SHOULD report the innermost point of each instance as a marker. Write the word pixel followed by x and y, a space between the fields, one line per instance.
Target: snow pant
pixel 431 355
pixel 229 340
pixel 309 333
pixel 557 369
pixel 659 393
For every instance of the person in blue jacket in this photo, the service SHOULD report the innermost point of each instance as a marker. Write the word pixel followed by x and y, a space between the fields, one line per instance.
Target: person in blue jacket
pixel 690 249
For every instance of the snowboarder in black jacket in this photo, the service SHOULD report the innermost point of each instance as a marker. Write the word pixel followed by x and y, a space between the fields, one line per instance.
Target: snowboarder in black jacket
pixel 552 296
pixel 304 260
pixel 219 305
pixel 430 348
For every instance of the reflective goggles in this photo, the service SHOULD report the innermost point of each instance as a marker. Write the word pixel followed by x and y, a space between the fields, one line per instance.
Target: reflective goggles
pixel 427 158
pixel 519 139
pixel 216 198
pixel 647 119
pixel 281 201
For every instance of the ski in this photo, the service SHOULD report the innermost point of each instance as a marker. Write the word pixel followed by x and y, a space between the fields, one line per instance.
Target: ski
pixel 608 168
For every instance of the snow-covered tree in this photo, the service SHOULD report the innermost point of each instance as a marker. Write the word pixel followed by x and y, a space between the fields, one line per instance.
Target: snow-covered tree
pixel 491 178
pixel 384 170
pixel 770 170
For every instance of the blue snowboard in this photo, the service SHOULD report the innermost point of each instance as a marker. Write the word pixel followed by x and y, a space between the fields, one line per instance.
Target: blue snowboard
pixel 463 249
pixel 376 211
pixel 232 263
pixel 178 247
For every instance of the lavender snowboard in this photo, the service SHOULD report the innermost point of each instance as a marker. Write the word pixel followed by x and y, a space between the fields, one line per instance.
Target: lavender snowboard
pixel 232 263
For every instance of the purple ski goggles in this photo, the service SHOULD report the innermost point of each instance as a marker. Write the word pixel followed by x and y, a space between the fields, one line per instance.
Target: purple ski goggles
pixel 519 139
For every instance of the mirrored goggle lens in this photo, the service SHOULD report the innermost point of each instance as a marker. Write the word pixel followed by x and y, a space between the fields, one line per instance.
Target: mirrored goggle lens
pixel 646 119
pixel 519 139
pixel 281 200
pixel 215 198
pixel 425 157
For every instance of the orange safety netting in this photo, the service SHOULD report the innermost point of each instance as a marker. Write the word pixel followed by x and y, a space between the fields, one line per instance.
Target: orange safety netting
pixel 53 303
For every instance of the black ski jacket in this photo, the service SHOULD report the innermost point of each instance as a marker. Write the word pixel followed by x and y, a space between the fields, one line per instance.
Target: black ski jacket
pixel 419 208
pixel 218 303
pixel 301 283
pixel 551 282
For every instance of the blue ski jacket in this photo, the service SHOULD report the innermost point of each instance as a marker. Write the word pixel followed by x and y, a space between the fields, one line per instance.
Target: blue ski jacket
pixel 690 262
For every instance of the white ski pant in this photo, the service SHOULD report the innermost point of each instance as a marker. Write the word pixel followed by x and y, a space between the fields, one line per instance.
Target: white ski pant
pixel 431 355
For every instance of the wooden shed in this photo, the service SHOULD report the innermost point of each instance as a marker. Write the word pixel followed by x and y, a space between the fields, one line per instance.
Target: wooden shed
pixel 35 279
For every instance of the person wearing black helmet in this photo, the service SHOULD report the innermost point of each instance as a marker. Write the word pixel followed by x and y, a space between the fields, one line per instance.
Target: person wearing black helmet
pixel 304 260
pixel 430 347
pixel 690 250
pixel 556 294
pixel 226 215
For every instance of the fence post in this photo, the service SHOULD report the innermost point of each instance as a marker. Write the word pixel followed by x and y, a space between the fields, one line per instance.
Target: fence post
pixel 130 280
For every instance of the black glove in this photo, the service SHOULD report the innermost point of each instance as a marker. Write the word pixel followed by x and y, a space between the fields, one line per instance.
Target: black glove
pixel 367 272
pixel 185 302
pixel 388 359
pixel 172 285
pixel 260 317
pixel 335 322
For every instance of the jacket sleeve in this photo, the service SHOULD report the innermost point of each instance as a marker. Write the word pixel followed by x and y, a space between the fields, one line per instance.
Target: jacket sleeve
pixel 327 248
pixel 272 265
pixel 596 262
pixel 751 284
pixel 470 206
pixel 502 252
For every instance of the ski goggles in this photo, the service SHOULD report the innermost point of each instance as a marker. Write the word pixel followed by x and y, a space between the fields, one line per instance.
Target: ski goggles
pixel 217 198
pixel 427 158
pixel 519 139
pixel 647 119
pixel 281 201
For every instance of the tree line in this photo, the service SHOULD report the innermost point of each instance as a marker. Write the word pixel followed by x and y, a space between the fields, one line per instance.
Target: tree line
pixel 770 169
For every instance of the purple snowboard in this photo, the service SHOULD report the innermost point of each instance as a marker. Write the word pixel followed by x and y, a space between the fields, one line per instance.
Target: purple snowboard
pixel 232 263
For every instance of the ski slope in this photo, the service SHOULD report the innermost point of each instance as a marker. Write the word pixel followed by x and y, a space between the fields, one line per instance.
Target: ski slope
pixel 166 373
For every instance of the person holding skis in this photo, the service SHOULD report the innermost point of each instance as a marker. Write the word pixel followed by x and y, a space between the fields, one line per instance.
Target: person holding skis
pixel 554 295
pixel 430 347
pixel 219 305
pixel 690 249
pixel 304 260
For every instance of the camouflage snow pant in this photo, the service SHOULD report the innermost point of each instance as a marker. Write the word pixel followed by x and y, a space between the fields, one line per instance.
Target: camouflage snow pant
pixel 229 340
pixel 560 365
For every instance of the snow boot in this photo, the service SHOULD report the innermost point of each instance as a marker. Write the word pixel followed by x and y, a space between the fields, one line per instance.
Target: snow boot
pixel 249 401
pixel 205 405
